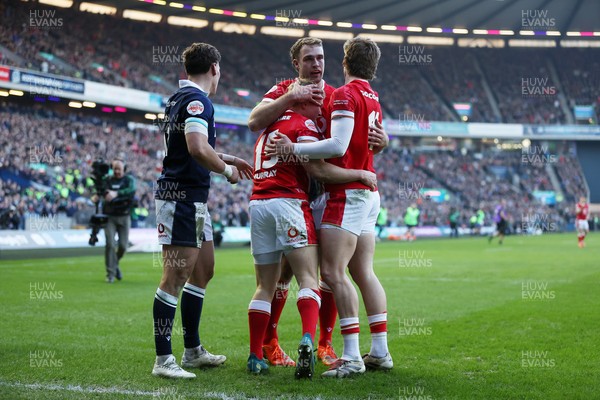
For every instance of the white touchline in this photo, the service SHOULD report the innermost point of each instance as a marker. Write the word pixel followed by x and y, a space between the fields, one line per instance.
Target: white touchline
pixel 79 389
pixel 116 390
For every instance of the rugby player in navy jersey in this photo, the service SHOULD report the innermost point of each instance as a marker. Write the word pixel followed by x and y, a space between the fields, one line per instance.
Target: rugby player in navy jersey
pixel 184 225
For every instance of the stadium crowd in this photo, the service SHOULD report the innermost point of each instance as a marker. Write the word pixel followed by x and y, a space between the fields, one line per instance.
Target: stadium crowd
pixel 59 164
pixel 51 175
pixel 102 48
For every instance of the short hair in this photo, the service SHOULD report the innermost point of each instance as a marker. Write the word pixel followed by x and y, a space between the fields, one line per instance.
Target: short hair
pixel 305 41
pixel 361 56
pixel 198 58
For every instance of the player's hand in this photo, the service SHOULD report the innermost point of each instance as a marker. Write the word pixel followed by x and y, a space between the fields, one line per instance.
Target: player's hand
pixel 368 178
pixel 306 93
pixel 235 176
pixel 95 198
pixel 378 139
pixel 245 170
pixel 279 145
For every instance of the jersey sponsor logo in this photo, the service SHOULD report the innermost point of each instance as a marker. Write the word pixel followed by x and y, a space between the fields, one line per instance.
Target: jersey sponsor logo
pixel 195 107
pixel 274 88
pixel 311 125
pixel 369 95
pixel 161 228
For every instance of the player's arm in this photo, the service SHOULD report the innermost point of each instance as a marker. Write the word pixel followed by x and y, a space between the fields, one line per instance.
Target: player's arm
pixel 336 146
pixel 268 110
pixel 243 167
pixel 329 173
pixel 196 138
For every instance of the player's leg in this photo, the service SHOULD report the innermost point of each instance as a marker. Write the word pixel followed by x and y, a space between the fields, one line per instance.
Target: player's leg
pixel 582 230
pixel 267 258
pixel 180 227
pixel 267 271
pixel 502 231
pixel 304 264
pixel 328 311
pixel 327 317
pixel 374 297
pixel 192 301
pixel 178 262
pixel 271 348
pixel 337 249
pixel 373 294
pixel 344 219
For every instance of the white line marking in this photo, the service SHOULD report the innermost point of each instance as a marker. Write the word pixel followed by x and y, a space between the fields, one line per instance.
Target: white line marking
pixel 79 389
pixel 117 390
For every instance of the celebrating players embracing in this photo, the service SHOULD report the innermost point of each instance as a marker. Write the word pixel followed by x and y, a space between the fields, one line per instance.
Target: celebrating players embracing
pixel 281 223
pixel 348 226
pixel 308 60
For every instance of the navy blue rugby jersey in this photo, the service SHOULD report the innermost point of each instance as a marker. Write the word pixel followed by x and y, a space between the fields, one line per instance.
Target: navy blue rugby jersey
pixel 182 178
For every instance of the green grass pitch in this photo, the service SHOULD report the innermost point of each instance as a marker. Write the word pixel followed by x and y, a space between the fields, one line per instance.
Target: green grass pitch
pixel 467 320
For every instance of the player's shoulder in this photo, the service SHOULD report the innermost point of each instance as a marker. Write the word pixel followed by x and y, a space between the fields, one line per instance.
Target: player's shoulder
pixel 365 89
pixel 284 123
pixel 279 89
pixel 328 89
pixel 347 88
pixel 286 83
pixel 342 97
pixel 295 125
pixel 300 122
pixel 196 103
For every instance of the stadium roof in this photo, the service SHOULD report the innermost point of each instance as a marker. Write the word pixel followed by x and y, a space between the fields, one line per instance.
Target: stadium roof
pixel 536 15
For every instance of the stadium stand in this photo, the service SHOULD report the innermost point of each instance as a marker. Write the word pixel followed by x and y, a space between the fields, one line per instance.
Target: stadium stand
pixel 105 54
pixel 102 49
pixel 76 142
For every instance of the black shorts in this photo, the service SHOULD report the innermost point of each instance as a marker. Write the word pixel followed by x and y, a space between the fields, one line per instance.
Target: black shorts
pixel 502 226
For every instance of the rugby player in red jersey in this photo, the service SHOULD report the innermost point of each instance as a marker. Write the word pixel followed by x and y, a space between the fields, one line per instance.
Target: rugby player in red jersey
pixel 308 60
pixel 281 222
pixel 348 227
pixel 582 209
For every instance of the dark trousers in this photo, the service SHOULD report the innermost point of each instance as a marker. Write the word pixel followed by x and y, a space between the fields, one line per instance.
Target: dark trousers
pixel 115 250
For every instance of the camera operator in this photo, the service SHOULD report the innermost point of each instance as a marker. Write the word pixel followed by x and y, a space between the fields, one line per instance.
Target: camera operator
pixel 118 202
